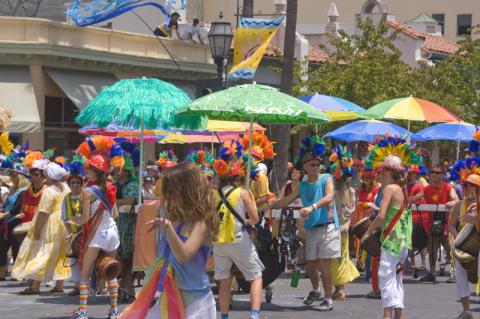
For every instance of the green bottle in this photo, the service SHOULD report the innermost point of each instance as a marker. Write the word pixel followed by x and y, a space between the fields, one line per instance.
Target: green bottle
pixel 295 278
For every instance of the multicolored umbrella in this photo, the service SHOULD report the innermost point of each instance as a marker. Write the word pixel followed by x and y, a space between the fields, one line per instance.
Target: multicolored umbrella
pixel 410 109
pixel 366 130
pixel 336 108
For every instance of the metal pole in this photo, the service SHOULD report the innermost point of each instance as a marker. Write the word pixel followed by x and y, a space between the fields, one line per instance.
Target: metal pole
pixel 140 169
pixel 458 149
pixel 250 132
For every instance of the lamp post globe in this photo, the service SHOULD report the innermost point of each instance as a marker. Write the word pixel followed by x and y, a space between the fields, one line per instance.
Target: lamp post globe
pixel 220 40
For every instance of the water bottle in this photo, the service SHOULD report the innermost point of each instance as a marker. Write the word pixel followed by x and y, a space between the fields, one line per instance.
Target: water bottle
pixel 295 278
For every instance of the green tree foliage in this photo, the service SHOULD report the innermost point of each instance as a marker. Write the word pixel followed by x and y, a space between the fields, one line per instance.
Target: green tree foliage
pixel 366 69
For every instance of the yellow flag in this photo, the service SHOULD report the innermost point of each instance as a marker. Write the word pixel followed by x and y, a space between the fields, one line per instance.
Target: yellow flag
pixel 250 42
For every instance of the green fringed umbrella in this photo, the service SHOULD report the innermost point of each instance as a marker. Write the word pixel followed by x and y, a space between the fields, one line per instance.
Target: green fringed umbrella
pixel 143 103
pixel 254 103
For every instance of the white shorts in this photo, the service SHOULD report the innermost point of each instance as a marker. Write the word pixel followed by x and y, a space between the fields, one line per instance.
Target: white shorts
pixel 322 242
pixel 106 239
pixel 391 283
pixel 242 253
pixel 462 284
pixel 203 308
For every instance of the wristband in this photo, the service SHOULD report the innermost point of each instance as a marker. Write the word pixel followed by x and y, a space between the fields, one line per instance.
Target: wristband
pixel 314 205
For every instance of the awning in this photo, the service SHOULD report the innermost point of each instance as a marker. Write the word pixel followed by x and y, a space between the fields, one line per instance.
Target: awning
pixel 81 86
pixel 17 95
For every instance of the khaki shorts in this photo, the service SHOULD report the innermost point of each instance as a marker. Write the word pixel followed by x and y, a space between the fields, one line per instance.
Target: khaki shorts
pixel 242 253
pixel 322 243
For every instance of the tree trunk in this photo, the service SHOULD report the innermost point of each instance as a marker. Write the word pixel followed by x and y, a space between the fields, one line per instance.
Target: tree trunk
pixel 247 8
pixel 281 133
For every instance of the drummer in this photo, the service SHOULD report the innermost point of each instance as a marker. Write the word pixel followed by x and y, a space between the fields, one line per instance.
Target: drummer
pixel 464 212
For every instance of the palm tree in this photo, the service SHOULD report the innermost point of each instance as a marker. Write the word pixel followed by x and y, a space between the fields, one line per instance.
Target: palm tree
pixel 281 134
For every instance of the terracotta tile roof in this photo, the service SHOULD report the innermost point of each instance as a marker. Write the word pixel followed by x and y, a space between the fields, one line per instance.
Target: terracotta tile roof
pixel 314 55
pixel 430 42
pixel 439 44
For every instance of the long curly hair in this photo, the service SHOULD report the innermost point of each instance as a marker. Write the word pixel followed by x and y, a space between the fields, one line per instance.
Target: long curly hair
pixel 188 196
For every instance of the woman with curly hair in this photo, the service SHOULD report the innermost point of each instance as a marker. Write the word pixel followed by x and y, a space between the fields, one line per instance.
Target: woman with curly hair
pixel 190 226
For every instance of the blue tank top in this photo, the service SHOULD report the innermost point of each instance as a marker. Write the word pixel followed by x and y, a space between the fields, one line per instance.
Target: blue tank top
pixel 311 193
pixel 191 278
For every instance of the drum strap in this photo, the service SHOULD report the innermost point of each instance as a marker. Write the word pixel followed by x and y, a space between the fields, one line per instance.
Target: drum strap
pixel 394 220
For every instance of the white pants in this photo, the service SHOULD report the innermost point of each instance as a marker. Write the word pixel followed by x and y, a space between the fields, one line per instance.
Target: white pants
pixel 462 285
pixel 391 283
pixel 203 308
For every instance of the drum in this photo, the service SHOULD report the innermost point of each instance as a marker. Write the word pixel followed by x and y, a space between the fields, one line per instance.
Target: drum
pixel 73 245
pixel 108 267
pixel 468 240
pixel 468 262
pixel 372 243
pixel 361 227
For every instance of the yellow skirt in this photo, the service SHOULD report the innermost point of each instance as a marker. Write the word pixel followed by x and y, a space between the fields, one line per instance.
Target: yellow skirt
pixel 343 269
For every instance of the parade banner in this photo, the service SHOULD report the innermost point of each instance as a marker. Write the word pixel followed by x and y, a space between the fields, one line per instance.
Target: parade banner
pixel 250 42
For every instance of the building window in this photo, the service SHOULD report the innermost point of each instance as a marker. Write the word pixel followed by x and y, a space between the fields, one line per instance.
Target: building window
pixel 59 112
pixel 440 17
pixel 464 24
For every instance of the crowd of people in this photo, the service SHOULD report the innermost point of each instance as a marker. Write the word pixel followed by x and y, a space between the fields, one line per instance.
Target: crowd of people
pixel 71 221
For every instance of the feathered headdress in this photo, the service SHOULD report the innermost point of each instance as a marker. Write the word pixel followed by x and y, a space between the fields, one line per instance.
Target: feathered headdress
pixel 233 161
pixel 463 168
pixel 341 163
pixel 203 160
pixel 387 148
pixel 474 145
pixel 262 147
pixel 31 158
pixel 5 145
pixel 167 159
pixel 311 147
pixel 77 166
pixel 103 145
pixel 14 163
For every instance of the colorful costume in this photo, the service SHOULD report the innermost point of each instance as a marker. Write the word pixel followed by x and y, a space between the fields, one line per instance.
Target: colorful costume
pixel 43 259
pixel 394 154
pixel 343 270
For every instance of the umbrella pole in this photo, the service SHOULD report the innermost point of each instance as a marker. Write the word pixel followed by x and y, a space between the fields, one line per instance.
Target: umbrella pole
pixel 458 149
pixel 211 147
pixel 140 169
pixel 249 153
pixel 408 127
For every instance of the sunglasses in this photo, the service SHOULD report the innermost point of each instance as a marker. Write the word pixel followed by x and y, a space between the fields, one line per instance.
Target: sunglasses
pixel 436 172
pixel 74 183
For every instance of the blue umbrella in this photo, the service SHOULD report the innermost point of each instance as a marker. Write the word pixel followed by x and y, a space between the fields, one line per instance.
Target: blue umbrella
pixel 366 130
pixel 336 108
pixel 458 132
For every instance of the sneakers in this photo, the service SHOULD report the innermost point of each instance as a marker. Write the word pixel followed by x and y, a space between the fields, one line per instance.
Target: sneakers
pixel 325 306
pixel 428 278
pixel 112 314
pixel 465 315
pixel 451 280
pixel 312 296
pixel 79 314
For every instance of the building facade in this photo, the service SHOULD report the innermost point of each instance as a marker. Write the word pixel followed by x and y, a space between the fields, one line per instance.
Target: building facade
pixel 49 70
pixel 456 16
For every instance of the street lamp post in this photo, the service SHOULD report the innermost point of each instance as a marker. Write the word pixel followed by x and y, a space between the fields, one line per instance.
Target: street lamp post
pixel 220 39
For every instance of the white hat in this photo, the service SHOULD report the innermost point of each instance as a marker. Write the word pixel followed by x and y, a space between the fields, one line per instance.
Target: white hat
pixel 56 172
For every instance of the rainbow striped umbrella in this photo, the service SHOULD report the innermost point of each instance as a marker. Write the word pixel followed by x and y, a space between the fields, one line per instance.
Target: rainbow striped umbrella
pixel 410 109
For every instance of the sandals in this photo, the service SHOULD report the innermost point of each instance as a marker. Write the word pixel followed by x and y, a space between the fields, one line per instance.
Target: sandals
pixel 338 295
pixel 74 292
pixel 29 291
pixel 55 290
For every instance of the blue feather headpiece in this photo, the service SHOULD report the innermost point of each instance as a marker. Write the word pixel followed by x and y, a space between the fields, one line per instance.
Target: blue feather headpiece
pixel 311 147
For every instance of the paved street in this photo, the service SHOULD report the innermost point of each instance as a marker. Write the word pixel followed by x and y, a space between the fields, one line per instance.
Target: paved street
pixel 423 301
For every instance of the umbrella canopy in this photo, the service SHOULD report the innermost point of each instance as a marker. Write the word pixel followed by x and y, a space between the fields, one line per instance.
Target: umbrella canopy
pixel 336 108
pixel 366 130
pixel 254 103
pixel 458 132
pixel 131 102
pixel 411 109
